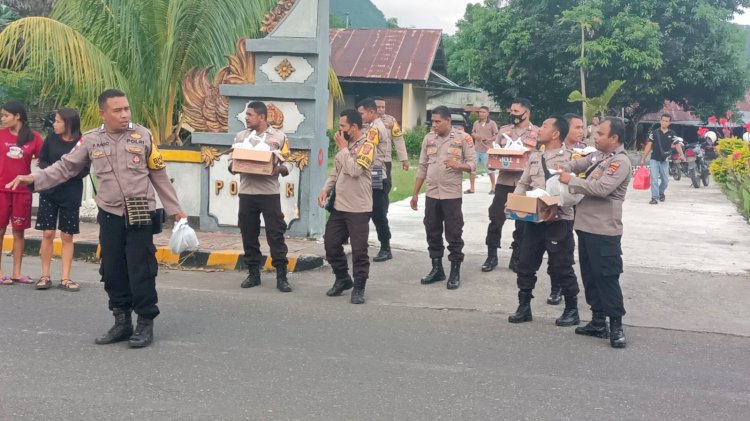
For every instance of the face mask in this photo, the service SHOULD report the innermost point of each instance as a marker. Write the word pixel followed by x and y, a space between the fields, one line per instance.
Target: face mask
pixel 347 136
pixel 517 119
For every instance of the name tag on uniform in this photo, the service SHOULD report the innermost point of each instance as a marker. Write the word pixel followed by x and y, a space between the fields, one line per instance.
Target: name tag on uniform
pixel 97 153
pixel 431 150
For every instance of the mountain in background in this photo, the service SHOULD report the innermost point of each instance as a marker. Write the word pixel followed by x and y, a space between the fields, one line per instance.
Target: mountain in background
pixel 362 13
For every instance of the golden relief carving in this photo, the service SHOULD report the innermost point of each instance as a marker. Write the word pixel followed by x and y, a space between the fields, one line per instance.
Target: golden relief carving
pixel 206 110
pixel 209 155
pixel 275 117
pixel 285 69
pixel 301 158
pixel 276 15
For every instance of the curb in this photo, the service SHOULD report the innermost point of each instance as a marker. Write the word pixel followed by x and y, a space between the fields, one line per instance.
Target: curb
pixel 223 259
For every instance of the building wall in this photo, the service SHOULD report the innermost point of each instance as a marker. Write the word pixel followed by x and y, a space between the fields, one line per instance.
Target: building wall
pixel 414 106
pixel 463 99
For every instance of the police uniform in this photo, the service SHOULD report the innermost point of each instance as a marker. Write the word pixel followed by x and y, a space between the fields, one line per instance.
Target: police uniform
pixel 554 237
pixel 350 182
pixel 598 223
pixel 259 194
pixel 127 165
pixel 378 133
pixel 443 199
pixel 506 183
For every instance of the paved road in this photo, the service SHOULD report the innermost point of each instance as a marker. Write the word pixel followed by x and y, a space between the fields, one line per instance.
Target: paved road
pixel 226 353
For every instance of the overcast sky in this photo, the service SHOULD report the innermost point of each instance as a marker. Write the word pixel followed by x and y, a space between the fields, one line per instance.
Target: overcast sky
pixel 443 14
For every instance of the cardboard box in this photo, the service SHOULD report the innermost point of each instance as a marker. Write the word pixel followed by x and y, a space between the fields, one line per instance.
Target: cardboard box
pixel 531 209
pixel 250 161
pixel 507 159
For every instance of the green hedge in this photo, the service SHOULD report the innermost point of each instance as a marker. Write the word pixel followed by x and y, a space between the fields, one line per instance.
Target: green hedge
pixel 412 138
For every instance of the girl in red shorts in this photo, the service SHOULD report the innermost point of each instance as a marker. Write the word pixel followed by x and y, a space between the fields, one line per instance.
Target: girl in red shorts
pixel 18 146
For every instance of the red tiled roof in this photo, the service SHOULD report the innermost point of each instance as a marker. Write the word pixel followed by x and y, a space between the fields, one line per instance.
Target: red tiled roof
pixel 386 54
pixel 678 114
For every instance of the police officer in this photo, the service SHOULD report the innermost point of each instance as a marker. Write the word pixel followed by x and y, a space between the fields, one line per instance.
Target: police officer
pixel 381 182
pixel 347 194
pixel 574 140
pixel 128 167
pixel 259 194
pixel 554 235
pixel 392 137
pixel 520 129
pixel 598 223
pixel 445 156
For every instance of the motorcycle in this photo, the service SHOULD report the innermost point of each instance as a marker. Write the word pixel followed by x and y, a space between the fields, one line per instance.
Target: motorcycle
pixel 677 167
pixel 697 165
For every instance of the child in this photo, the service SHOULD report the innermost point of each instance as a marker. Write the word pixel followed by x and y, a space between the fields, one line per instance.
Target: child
pixel 18 146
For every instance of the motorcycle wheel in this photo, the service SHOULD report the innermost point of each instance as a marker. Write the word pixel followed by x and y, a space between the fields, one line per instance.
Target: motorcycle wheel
pixel 695 180
pixel 705 177
pixel 677 174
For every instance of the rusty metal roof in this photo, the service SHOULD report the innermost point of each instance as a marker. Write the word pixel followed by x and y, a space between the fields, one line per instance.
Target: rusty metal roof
pixel 385 54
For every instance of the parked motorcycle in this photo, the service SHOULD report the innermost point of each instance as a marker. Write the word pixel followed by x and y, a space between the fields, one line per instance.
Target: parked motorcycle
pixel 696 163
pixel 677 167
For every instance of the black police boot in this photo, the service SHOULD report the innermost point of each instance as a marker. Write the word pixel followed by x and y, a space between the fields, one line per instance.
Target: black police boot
pixel 436 274
pixel 597 327
pixel 454 279
pixel 253 278
pixel 570 313
pixel 384 253
pixel 555 296
pixel 358 293
pixel 616 333
pixel 144 333
pixel 491 261
pixel 282 284
pixel 342 283
pixel 121 330
pixel 523 313
pixel 515 256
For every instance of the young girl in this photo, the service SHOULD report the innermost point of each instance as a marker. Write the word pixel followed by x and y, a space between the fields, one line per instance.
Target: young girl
pixel 62 202
pixel 18 146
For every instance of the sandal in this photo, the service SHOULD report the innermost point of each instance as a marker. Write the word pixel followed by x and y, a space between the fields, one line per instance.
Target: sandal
pixel 469 191
pixel 44 282
pixel 5 280
pixel 69 285
pixel 25 279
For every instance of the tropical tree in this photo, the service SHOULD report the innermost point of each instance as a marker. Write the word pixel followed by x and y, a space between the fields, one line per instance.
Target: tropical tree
pixel 597 105
pixel 7 15
pixel 144 47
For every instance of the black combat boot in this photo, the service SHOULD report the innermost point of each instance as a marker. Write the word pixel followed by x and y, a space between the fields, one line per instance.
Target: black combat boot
pixel 597 327
pixel 282 284
pixel 523 313
pixel 570 313
pixel 555 296
pixel 491 261
pixel 144 333
pixel 616 333
pixel 454 279
pixel 342 283
pixel 121 330
pixel 253 278
pixel 515 256
pixel 436 274
pixel 358 293
pixel 384 253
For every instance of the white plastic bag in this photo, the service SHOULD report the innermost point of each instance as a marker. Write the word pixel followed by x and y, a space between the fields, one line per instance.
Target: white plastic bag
pixel 183 237
pixel 555 188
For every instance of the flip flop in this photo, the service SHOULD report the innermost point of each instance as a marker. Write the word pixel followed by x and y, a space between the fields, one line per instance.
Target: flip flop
pixel 5 280
pixel 25 279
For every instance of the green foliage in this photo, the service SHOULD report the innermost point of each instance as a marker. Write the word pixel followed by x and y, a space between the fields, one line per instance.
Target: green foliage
pixel 413 139
pixel 731 169
pixel 600 104
pixel 336 22
pixel 681 50
pixel 7 15
pixel 392 23
pixel 362 13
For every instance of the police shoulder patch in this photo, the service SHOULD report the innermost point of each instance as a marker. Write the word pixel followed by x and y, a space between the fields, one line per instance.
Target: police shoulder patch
pixel 613 167
pixel 366 154
pixel 396 130
pixel 373 135
pixel 155 159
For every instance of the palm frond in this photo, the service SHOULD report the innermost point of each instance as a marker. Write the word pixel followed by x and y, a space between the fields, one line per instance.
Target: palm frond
pixel 334 87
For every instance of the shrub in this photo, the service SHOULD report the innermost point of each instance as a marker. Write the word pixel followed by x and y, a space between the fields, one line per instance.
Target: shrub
pixel 731 169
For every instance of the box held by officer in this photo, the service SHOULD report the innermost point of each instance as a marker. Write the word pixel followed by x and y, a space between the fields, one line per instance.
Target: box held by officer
pixel 532 209
pixel 251 161
pixel 511 160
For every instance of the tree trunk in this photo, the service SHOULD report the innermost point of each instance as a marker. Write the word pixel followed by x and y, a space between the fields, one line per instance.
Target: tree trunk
pixel 583 75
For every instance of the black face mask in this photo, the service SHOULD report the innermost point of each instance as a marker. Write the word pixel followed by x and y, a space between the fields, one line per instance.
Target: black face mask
pixel 347 136
pixel 517 119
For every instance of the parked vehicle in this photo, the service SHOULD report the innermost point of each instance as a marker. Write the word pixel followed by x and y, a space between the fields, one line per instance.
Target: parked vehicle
pixel 697 166
pixel 677 167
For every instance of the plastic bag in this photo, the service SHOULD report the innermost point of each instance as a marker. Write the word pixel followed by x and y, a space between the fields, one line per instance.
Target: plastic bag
pixel 642 179
pixel 555 188
pixel 183 237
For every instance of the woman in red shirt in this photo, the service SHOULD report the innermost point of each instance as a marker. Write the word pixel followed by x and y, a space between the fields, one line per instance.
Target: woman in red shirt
pixel 18 146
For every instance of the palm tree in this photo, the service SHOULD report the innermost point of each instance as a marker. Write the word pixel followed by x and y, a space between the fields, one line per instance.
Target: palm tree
pixel 7 15
pixel 144 47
